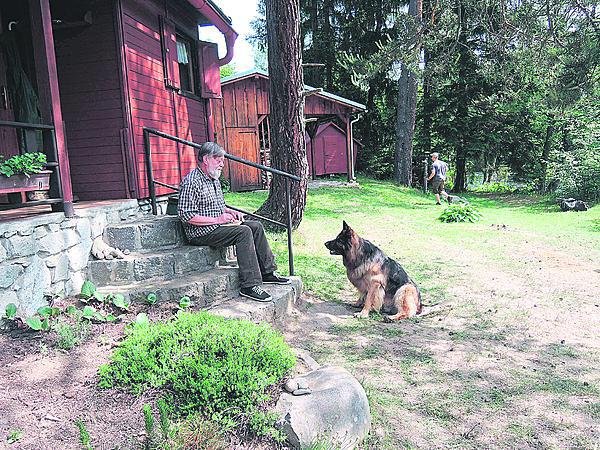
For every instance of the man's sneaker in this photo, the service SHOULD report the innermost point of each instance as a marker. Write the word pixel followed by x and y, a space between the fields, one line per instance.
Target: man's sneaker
pixel 273 278
pixel 255 293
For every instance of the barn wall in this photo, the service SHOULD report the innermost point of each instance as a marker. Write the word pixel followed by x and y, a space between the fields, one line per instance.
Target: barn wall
pixel 152 103
pixel 91 105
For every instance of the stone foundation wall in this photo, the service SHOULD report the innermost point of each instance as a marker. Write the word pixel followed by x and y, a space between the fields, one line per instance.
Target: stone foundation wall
pixel 48 255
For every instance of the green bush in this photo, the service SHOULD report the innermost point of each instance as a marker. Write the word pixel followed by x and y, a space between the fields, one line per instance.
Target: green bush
pixel 204 363
pixel 460 212
pixel 496 187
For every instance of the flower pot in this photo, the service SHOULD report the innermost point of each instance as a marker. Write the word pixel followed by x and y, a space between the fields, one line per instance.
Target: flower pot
pixel 22 183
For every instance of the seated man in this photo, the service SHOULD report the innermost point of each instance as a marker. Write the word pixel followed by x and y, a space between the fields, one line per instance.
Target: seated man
pixel 207 221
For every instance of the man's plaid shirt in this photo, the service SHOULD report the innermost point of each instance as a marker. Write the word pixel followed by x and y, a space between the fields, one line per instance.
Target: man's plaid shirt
pixel 199 195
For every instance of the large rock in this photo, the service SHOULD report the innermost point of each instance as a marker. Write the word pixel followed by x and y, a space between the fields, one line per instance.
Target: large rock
pixel 336 412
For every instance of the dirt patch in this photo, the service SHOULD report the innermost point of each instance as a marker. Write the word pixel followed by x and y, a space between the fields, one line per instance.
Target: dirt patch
pixel 508 358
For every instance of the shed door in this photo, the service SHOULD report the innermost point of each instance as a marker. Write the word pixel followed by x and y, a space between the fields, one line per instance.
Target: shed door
pixel 243 142
pixel 333 155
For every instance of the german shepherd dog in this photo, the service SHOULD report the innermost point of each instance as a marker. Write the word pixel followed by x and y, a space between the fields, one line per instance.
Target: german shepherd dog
pixel 382 283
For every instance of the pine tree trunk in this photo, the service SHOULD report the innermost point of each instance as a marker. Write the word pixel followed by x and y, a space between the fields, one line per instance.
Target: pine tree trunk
pixel 288 149
pixel 546 155
pixel 460 179
pixel 406 111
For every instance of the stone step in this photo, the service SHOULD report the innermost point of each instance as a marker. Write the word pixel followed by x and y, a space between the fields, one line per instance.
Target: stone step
pixel 150 232
pixel 203 288
pixel 274 312
pixel 216 290
pixel 162 263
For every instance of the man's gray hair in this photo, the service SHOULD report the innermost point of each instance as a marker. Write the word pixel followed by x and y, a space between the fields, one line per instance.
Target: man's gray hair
pixel 436 154
pixel 210 149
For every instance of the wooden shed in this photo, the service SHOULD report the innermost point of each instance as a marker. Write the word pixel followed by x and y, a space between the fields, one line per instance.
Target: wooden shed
pixel 245 129
pixel 104 69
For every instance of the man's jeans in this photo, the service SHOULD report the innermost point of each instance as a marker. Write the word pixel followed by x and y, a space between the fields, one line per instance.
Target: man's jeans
pixel 254 254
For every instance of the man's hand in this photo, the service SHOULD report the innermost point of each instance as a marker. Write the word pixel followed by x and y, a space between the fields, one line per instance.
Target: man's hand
pixel 236 214
pixel 226 218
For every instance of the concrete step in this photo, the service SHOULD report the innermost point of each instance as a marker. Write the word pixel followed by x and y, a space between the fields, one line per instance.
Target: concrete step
pixel 274 312
pixel 203 288
pixel 150 232
pixel 161 263
pixel 217 290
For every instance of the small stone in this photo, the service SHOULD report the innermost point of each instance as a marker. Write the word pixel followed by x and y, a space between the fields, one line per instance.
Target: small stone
pixel 291 385
pixel 298 392
pixel 126 251
pixel 302 383
pixel 52 418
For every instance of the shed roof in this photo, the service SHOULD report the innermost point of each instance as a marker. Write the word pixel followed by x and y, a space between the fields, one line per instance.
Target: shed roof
pixel 261 73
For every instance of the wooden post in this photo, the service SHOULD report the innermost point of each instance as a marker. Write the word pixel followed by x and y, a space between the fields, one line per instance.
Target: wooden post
pixel 48 92
pixel 349 155
pixel 425 176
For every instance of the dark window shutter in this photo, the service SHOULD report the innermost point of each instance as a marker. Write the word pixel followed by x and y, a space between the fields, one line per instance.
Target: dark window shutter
pixel 169 52
pixel 209 70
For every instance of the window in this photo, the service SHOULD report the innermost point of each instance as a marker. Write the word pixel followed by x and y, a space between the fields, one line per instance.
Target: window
pixel 186 61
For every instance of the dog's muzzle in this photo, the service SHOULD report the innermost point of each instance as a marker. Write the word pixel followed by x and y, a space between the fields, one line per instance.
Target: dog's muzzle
pixel 332 248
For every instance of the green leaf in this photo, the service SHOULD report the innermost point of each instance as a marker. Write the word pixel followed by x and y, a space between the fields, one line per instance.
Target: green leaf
pixel 99 317
pixel 185 302
pixel 100 297
pixel 142 319
pixel 44 311
pixel 88 312
pixel 151 298
pixel 34 323
pixel 45 324
pixel 110 318
pixel 55 311
pixel 71 309
pixel 87 289
pixel 120 302
pixel 11 311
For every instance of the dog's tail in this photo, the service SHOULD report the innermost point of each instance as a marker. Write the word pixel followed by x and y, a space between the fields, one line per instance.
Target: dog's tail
pixel 432 310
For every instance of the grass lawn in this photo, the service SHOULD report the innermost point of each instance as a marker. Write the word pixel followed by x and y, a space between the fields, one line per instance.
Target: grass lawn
pixel 509 358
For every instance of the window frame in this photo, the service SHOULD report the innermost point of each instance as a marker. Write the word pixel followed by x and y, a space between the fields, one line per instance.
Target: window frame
pixel 192 66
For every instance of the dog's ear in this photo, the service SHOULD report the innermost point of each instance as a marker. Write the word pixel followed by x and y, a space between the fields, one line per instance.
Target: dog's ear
pixel 345 226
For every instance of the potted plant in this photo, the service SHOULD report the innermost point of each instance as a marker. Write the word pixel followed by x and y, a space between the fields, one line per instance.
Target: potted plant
pixel 24 173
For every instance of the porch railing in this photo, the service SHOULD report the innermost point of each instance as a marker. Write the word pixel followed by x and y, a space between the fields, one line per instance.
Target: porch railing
pixel 56 194
pixel 287 177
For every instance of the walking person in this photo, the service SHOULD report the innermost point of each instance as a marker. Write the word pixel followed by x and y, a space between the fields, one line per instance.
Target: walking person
pixel 207 221
pixel 438 178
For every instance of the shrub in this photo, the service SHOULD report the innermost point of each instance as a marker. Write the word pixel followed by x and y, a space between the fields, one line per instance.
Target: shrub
pixel 71 334
pixel 496 187
pixel 460 212
pixel 199 433
pixel 204 363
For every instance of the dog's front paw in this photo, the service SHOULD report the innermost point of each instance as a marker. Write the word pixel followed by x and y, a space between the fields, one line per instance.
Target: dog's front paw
pixel 361 315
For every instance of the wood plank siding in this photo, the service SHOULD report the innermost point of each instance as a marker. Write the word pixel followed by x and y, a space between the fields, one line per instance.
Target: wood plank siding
pixel 245 111
pixel 88 74
pixel 154 104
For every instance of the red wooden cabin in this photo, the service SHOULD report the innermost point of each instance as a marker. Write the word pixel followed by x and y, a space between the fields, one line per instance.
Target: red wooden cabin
pixel 103 70
pixel 245 129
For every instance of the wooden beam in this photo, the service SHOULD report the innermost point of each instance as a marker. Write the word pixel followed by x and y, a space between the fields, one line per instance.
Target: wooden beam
pixel 349 155
pixel 48 92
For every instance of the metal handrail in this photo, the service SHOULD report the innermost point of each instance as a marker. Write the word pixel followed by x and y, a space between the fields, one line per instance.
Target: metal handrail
pixel 49 165
pixel 287 176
